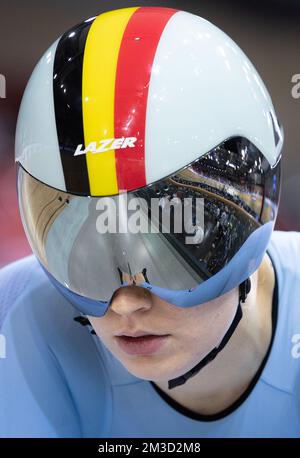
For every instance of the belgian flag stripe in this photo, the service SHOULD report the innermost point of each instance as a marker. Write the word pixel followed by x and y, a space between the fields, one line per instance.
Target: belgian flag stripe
pixel 98 96
pixel 67 88
pixel 136 57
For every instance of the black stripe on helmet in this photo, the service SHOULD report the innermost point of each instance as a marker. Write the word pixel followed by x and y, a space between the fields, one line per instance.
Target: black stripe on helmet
pixel 67 92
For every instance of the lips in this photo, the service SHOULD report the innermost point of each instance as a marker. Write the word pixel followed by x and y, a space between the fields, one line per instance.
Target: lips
pixel 137 334
pixel 141 344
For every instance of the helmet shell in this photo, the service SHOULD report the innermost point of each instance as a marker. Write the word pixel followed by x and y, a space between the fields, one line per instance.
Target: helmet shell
pixel 133 95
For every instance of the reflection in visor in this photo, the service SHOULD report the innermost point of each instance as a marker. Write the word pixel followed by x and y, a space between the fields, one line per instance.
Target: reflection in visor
pixel 239 190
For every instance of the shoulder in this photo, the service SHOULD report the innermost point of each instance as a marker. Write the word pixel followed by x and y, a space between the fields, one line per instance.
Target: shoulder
pixel 283 368
pixel 15 280
pixel 284 250
pixel 284 247
pixel 30 303
pixel 61 375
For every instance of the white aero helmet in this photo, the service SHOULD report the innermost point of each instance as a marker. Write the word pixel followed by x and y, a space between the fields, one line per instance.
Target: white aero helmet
pixel 147 111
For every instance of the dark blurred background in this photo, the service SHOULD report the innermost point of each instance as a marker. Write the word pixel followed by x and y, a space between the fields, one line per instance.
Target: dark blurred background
pixel 266 30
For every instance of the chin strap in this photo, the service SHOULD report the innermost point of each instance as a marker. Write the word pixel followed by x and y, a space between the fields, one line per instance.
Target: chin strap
pixel 84 322
pixel 244 289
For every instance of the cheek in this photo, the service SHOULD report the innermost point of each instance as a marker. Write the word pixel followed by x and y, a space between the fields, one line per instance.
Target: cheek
pixel 197 335
pixel 102 326
pixel 195 331
pixel 205 326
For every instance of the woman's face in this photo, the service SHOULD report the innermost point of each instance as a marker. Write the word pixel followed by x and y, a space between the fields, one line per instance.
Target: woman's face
pixel 191 333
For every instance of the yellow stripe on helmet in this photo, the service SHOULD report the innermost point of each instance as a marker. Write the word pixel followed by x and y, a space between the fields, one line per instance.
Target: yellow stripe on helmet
pixel 98 94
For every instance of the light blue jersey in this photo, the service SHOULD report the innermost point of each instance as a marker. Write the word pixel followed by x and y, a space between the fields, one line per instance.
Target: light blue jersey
pixel 57 380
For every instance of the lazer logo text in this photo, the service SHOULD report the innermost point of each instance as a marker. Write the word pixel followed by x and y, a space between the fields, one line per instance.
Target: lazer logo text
pixel 106 145
pixel 296 347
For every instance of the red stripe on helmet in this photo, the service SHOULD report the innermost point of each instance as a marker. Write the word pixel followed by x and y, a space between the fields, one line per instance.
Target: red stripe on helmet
pixel 135 60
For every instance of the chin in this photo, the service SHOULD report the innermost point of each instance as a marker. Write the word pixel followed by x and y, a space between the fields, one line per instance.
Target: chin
pixel 146 370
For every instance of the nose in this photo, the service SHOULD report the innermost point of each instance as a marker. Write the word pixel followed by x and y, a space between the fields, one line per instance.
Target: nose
pixel 130 299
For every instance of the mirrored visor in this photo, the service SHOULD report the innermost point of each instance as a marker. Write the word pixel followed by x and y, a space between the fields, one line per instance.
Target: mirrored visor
pixel 175 233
